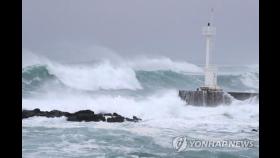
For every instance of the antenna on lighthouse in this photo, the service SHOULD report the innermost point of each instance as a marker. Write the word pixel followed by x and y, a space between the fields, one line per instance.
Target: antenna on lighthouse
pixel 209 31
pixel 211 15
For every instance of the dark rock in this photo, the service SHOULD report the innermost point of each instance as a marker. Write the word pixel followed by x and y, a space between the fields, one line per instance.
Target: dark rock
pixel 56 113
pixel 116 119
pixel 254 130
pixel 30 113
pixel 107 114
pixel 27 114
pixel 83 115
pixel 134 119
pixel 99 117
pixel 115 114
pixel 129 119
pixel 37 110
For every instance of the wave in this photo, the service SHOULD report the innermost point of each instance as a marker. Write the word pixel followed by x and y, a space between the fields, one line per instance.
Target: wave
pixel 164 116
pixel 109 77
pixel 162 104
pixel 98 76
pixel 163 64
pixel 135 76
pixel 146 88
pixel 105 54
pixel 250 79
pixel 163 109
pixel 95 77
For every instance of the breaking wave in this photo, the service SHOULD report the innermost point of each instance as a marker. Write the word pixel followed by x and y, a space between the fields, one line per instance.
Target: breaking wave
pixel 105 76
pixel 130 88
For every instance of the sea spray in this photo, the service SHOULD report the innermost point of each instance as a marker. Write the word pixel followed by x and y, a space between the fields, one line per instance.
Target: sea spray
pixel 50 85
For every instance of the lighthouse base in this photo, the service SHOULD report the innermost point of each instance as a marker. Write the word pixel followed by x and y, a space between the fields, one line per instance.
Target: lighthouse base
pixel 206 96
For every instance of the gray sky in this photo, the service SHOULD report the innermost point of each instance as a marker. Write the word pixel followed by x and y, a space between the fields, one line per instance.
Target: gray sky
pixel 68 29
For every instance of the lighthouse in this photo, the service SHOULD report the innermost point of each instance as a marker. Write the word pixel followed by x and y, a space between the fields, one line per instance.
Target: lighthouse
pixel 210 94
pixel 210 70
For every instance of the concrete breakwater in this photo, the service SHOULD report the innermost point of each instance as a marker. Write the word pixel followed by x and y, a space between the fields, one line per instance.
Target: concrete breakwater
pixel 83 115
pixel 243 95
pixel 210 97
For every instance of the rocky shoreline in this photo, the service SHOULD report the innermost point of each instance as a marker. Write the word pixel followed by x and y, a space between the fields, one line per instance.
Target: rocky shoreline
pixel 83 115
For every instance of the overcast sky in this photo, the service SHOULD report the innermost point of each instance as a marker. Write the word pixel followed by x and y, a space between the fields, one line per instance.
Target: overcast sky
pixel 70 30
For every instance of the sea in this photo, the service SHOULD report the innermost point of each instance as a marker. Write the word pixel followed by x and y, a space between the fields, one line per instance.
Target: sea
pixel 142 87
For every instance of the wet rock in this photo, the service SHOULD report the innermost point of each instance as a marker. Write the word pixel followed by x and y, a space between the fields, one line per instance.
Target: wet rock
pixel 254 130
pixel 38 112
pixel 134 119
pixel 30 113
pixel 83 115
pixel 107 114
pixel 99 117
pixel 116 119
pixel 56 113
pixel 27 114
pixel 116 115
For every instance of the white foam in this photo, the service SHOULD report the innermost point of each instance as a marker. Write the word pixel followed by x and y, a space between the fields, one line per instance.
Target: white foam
pixel 164 115
pixel 107 74
pixel 110 73
pixel 160 110
pixel 250 79
pixel 93 77
pixel 162 63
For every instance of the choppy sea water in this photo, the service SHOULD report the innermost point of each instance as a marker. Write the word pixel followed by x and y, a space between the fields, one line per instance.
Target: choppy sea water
pixel 147 89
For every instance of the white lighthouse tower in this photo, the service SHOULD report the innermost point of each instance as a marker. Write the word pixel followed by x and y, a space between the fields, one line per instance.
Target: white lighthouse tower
pixel 210 94
pixel 210 81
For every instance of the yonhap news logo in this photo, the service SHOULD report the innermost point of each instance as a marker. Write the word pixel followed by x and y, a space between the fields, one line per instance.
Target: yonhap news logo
pixel 181 143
